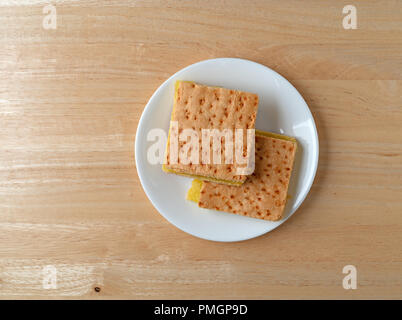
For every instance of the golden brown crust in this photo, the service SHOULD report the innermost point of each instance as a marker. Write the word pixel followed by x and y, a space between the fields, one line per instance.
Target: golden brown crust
pixel 201 107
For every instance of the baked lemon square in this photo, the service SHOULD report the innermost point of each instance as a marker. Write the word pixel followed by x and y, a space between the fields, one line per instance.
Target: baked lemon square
pixel 199 107
pixel 263 195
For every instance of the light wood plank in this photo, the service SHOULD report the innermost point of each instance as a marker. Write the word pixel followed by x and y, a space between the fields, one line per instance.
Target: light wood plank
pixel 70 101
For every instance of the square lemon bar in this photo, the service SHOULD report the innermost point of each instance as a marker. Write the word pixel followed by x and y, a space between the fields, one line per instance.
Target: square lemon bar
pixel 264 194
pixel 199 107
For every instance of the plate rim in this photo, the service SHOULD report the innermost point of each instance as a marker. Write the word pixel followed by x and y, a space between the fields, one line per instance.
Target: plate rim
pixel 141 123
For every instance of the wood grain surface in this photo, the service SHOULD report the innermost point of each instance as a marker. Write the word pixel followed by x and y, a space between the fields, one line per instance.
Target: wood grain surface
pixel 70 101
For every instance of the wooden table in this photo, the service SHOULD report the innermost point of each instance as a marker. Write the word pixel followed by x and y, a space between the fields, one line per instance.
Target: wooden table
pixel 70 198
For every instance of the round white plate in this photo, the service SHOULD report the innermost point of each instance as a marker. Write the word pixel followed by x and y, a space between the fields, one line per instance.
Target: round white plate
pixel 281 110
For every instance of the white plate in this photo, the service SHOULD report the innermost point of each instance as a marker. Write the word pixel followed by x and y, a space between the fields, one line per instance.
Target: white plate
pixel 281 109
